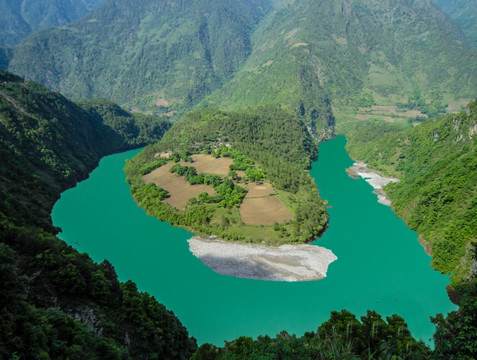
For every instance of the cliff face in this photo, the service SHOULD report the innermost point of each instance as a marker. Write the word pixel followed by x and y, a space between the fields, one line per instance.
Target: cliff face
pixel 54 300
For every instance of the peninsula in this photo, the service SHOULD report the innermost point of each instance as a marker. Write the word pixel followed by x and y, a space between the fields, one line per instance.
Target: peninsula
pixel 242 177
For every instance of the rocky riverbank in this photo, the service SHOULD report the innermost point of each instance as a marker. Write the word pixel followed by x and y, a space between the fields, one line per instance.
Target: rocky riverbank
pixel 377 181
pixel 284 263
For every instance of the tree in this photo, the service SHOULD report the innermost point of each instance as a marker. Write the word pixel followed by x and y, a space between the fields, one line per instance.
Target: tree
pixel 456 335
pixel 233 174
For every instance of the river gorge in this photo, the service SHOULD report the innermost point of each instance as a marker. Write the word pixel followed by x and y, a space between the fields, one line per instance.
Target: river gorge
pixel 380 264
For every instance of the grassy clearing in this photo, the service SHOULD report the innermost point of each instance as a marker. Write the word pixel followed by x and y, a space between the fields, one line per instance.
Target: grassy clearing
pixel 258 190
pixel 207 164
pixel 264 211
pixel 347 121
pixel 179 189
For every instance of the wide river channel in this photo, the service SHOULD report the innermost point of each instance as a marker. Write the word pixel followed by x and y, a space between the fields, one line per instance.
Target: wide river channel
pixel 381 266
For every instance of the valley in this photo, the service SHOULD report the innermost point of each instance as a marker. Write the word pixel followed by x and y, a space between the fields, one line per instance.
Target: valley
pixel 380 264
pixel 239 106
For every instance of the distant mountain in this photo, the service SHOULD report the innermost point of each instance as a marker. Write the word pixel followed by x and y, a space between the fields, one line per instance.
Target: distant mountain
pixel 169 53
pixel 463 12
pixel 356 52
pixel 170 56
pixel 437 196
pixel 20 18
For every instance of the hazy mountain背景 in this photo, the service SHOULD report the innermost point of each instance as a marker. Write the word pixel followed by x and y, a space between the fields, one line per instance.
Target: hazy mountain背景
pixel 20 18
pixel 168 56
pixel 463 13
pixel 360 53
pixel 178 51
pixel 56 302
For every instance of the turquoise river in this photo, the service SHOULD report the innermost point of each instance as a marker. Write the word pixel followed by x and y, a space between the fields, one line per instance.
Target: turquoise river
pixel 381 266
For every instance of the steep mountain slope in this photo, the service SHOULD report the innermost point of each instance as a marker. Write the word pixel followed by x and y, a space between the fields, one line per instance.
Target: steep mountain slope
pixel 357 52
pixel 437 197
pixel 168 56
pixel 18 19
pixel 462 12
pixel 54 301
pixel 176 51
pixel 59 139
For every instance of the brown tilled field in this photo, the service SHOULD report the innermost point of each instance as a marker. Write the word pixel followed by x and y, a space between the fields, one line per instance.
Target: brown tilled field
pixel 387 110
pixel 264 211
pixel 179 189
pixel 207 164
pixel 255 190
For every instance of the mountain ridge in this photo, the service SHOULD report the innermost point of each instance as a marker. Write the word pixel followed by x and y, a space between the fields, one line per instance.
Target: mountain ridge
pixel 169 49
pixel 309 56
pixel 461 12
pixel 19 19
pixel 363 48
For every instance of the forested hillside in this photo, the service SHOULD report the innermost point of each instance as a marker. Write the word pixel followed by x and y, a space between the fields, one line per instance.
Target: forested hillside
pixel 176 51
pixel 55 302
pixel 20 18
pixel 44 133
pixel 354 53
pixel 437 164
pixel 167 57
pixel 463 13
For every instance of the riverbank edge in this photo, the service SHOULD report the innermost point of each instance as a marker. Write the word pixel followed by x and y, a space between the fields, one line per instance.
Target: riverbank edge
pixel 373 178
pixel 360 169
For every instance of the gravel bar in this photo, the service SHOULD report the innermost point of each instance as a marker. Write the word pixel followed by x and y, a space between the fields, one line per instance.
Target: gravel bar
pixel 374 179
pixel 250 261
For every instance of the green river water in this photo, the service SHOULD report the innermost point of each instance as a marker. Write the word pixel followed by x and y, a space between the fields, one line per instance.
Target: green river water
pixel 381 266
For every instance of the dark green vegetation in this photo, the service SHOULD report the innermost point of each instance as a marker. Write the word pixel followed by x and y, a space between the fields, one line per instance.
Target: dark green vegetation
pixel 52 142
pixel 462 12
pixel 56 303
pixel 279 145
pixel 437 163
pixel 20 18
pixel 341 337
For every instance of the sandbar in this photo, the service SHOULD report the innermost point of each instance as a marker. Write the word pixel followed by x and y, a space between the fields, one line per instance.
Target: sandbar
pixel 374 179
pixel 251 261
